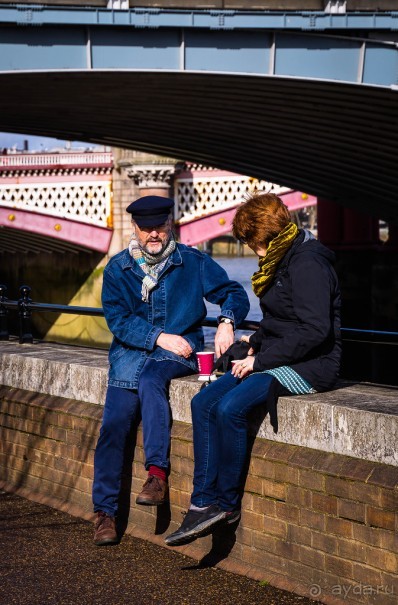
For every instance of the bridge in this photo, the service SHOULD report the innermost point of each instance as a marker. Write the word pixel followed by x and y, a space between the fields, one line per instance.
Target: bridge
pixel 303 98
pixel 65 201
pixel 56 202
pixel 307 98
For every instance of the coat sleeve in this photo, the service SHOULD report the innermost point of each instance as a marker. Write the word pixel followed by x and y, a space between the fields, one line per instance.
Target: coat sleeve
pixel 220 290
pixel 256 338
pixel 311 287
pixel 125 325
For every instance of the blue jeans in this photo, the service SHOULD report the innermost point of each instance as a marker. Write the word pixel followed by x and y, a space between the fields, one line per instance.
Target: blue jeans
pixel 122 407
pixel 219 418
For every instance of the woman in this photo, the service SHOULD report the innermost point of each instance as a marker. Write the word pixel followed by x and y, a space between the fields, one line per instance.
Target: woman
pixel 295 350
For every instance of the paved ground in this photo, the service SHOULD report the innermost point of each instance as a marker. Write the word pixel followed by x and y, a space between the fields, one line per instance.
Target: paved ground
pixel 47 557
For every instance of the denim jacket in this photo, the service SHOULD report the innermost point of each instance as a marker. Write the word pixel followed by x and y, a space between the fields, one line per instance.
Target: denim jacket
pixel 176 306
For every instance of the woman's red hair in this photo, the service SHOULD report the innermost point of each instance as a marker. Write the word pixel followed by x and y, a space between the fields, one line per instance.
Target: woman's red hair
pixel 259 219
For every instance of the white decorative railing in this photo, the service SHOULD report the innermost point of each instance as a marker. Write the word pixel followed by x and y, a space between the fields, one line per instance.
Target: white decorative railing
pixel 199 196
pixel 26 160
pixel 86 202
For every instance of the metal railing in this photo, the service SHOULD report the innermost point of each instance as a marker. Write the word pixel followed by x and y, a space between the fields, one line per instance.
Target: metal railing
pixel 25 306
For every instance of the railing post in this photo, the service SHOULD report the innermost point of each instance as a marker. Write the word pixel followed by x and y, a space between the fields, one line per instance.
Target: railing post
pixel 4 335
pixel 25 330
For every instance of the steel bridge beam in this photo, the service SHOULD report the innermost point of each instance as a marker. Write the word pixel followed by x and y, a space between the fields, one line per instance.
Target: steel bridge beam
pixel 304 45
pixel 335 140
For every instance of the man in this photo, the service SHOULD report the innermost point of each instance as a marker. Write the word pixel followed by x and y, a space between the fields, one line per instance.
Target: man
pixel 153 303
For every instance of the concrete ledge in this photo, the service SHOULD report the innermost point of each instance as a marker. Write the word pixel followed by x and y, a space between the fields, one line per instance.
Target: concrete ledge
pixel 311 520
pixel 359 420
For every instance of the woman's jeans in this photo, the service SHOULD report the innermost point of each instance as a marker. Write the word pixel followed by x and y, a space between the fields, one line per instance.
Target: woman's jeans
pixel 122 407
pixel 219 418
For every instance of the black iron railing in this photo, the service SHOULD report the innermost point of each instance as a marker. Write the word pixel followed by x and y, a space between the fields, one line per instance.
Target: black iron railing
pixel 25 306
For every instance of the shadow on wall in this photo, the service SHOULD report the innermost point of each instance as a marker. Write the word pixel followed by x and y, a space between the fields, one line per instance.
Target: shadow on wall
pixel 59 278
pixel 39 441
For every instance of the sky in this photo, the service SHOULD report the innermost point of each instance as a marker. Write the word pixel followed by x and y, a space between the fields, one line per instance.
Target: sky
pixel 36 143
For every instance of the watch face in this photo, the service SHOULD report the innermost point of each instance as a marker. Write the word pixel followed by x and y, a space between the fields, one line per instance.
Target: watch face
pixel 226 320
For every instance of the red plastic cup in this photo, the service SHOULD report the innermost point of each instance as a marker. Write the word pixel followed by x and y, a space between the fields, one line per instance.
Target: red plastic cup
pixel 205 363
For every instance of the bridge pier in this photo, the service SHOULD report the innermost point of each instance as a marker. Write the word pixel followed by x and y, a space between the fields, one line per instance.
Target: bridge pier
pixel 343 227
pixel 366 268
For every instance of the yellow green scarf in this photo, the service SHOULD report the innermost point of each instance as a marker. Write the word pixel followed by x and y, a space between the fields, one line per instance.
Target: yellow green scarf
pixel 276 250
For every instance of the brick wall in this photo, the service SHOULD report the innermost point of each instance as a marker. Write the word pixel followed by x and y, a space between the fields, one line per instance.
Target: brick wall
pixel 320 524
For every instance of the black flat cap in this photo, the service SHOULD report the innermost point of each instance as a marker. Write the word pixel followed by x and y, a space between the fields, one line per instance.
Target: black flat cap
pixel 151 210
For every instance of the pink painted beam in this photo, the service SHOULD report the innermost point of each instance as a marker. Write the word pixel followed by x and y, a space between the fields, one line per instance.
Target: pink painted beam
pixel 295 200
pixel 207 227
pixel 214 225
pixel 88 236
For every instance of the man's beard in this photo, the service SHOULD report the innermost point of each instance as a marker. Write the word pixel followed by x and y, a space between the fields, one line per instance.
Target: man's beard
pixel 163 246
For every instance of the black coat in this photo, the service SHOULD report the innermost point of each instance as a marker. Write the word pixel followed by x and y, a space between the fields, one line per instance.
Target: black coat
pixel 301 315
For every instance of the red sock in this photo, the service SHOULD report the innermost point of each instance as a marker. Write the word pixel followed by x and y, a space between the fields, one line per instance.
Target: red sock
pixel 158 472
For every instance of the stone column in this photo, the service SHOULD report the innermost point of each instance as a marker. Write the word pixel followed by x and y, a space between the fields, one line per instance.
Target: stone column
pixel 136 174
pixel 152 179
pixel 124 192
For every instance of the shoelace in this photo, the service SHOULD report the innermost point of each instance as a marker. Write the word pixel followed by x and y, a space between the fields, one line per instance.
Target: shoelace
pixel 151 479
pixel 103 521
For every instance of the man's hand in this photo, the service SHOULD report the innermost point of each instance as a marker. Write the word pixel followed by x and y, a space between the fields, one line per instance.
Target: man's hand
pixel 243 367
pixel 175 344
pixel 224 338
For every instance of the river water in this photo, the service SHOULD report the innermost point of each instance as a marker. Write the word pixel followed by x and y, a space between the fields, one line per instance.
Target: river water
pixel 239 268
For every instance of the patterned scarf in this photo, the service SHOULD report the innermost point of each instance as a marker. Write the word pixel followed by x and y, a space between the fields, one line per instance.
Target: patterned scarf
pixel 276 250
pixel 151 264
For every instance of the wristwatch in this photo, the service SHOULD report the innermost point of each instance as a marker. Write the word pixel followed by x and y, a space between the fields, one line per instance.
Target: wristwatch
pixel 226 320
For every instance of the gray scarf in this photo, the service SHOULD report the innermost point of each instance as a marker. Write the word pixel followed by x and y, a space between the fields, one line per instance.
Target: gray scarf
pixel 151 264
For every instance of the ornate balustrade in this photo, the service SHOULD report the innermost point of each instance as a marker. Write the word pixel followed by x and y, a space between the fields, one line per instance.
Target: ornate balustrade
pixel 27 160
pixel 71 185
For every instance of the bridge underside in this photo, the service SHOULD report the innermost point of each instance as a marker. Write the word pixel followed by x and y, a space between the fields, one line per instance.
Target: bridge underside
pixel 331 139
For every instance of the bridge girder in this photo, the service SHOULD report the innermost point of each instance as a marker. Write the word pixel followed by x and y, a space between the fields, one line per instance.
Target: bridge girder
pixel 334 140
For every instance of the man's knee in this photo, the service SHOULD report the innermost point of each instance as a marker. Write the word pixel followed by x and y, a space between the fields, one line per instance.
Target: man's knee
pixel 120 409
pixel 151 380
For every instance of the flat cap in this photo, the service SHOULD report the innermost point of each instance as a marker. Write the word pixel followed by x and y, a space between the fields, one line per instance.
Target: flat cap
pixel 150 210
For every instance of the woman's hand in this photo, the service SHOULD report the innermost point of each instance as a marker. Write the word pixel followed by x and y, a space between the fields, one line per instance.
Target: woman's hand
pixel 245 338
pixel 243 367
pixel 175 344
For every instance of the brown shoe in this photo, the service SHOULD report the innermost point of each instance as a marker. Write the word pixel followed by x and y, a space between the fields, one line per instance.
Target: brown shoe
pixel 154 492
pixel 105 530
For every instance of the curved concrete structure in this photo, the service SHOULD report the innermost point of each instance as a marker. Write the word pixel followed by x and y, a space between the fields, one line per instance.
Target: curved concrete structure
pixel 331 139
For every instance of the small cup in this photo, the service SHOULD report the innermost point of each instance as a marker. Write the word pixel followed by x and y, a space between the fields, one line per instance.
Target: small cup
pixel 205 363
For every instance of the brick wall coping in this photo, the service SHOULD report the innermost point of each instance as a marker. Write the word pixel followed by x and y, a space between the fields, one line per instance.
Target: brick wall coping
pixel 355 419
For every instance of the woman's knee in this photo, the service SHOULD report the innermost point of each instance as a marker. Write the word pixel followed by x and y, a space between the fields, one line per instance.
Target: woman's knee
pixel 200 402
pixel 230 409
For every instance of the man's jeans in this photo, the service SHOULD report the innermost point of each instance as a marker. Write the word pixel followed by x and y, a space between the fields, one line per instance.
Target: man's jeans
pixel 121 409
pixel 219 418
